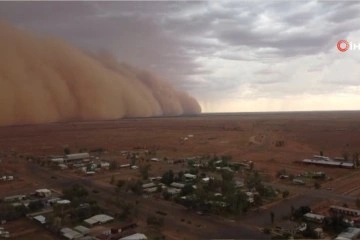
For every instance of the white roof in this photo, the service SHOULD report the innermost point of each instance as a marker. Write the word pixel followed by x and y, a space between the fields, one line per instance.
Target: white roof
pixel 78 155
pixel 63 201
pixel 43 190
pixel 82 229
pixel 136 236
pixel 350 233
pixel 312 215
pixel 40 218
pixel 177 185
pixel 100 218
pixel 148 185
pixel 189 175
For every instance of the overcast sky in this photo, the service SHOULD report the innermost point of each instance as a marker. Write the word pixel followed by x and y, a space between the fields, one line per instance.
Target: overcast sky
pixel 231 55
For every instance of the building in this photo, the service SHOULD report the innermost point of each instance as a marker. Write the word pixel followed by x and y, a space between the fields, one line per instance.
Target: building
pixel 70 234
pixel 298 181
pixel 98 219
pixel 325 161
pixel 15 198
pixel 63 202
pixel 177 185
pixel 314 217
pixel 77 157
pixel 43 192
pixel 190 176
pixel 57 160
pixel 81 229
pixel 136 236
pixel 40 218
pixel 349 234
pixel 345 211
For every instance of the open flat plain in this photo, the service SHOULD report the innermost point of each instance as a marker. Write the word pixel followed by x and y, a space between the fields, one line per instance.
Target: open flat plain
pixel 244 136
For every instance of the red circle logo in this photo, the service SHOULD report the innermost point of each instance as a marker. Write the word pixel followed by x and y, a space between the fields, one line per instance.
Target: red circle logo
pixel 340 45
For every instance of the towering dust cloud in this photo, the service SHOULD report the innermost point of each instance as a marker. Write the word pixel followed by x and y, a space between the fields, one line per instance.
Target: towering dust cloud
pixel 45 80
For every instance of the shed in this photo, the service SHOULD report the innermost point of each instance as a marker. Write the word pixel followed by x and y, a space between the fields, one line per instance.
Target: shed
pixel 40 218
pixel 314 217
pixel 68 233
pixel 63 202
pixel 81 229
pixel 136 236
pixel 43 192
pixel 177 185
pixel 189 176
pixel 349 234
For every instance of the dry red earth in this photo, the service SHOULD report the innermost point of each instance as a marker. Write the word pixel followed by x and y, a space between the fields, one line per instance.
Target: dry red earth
pixel 244 136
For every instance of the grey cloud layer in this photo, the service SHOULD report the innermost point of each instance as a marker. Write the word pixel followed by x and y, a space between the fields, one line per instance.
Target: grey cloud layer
pixel 190 41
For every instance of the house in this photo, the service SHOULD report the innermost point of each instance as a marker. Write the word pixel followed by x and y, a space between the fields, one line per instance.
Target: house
pixel 136 236
pixel 239 184
pixel 189 176
pixel 206 179
pixel 81 229
pixel 314 217
pixel 62 166
pixel 349 234
pixel 15 198
pixel 77 156
pixel 105 165
pixel 43 192
pixel 70 234
pixel 98 219
pixel 154 160
pixel 125 166
pixel 63 202
pixel 177 185
pixel 57 160
pixel 148 185
pixel 298 181
pixel 173 191
pixel 40 218
pixel 345 211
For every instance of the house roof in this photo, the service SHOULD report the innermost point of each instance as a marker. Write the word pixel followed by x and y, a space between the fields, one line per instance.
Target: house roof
pixel 82 229
pixel 40 218
pixel 136 236
pixel 100 218
pixel 177 185
pixel 349 233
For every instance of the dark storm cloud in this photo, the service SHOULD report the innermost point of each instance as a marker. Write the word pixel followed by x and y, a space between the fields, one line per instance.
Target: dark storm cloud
pixel 178 39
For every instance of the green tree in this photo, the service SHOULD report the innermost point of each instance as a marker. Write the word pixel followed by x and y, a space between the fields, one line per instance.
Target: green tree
pixel 168 177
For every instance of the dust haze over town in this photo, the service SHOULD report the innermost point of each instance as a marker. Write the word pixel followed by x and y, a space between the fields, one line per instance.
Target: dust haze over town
pixel 180 120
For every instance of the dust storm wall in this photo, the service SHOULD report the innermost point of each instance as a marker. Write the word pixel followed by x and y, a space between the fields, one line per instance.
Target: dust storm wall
pixel 44 79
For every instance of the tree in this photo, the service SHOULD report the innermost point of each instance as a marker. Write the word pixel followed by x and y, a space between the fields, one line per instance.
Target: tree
pixel 285 194
pixel 35 205
pixel 227 176
pixel 144 171
pixel 272 217
pixel 168 177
